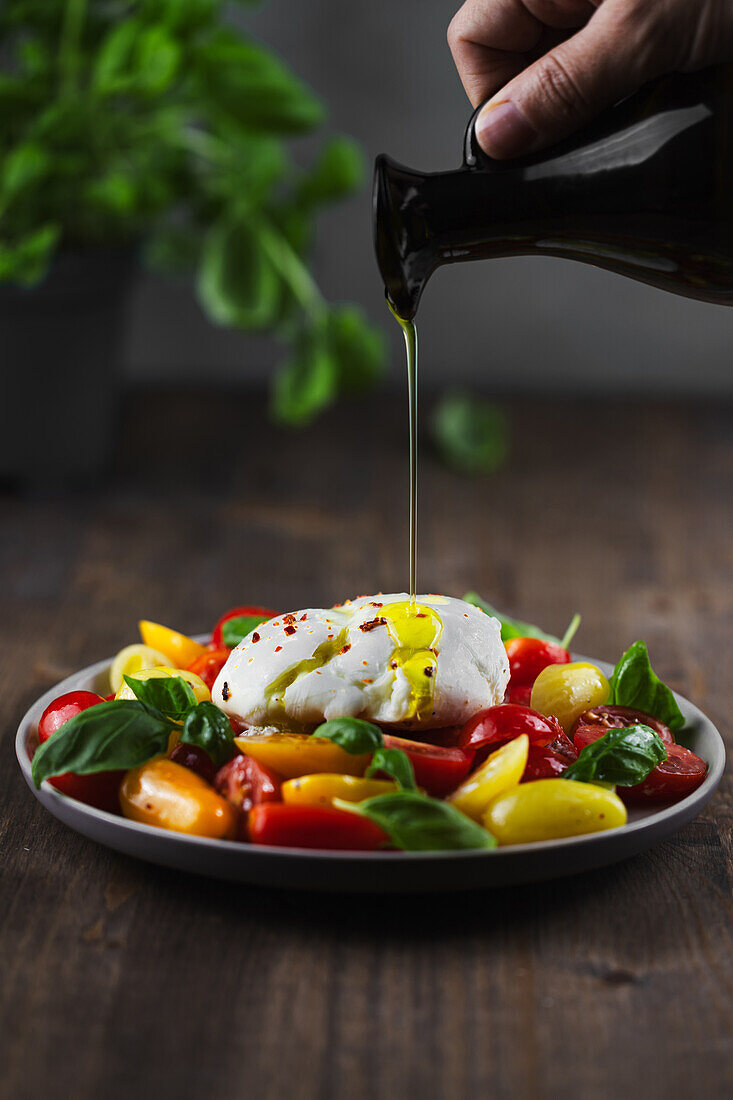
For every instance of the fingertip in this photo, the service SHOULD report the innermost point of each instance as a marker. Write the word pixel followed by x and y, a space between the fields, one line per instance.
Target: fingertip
pixel 503 132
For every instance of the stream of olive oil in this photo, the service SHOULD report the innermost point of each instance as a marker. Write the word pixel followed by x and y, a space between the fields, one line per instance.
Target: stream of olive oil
pixel 409 331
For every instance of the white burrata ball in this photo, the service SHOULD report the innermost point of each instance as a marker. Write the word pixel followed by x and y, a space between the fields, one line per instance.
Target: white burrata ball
pixel 425 665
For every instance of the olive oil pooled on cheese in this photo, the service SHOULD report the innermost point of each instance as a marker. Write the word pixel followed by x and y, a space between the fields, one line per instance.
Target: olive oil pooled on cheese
pixel 415 629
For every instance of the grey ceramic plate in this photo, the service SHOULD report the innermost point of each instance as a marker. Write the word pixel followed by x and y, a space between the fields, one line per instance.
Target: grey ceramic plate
pixel 371 871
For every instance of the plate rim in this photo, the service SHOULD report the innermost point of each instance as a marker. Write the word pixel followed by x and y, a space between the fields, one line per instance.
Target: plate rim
pixel 667 814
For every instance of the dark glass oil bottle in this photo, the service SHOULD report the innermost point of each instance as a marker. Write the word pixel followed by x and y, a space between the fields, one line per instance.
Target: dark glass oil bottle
pixel 646 190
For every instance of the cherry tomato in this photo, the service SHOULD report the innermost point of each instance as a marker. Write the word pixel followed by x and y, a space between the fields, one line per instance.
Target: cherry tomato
pixel 677 776
pixel 518 693
pixel 196 759
pixel 101 789
pixel 528 656
pixel 208 665
pixel 217 641
pixel 613 717
pixel 246 783
pixel 289 826
pixel 550 760
pixel 505 722
pixel 437 770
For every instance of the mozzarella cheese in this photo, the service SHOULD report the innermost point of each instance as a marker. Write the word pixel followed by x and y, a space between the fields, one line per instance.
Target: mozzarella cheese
pixel 424 665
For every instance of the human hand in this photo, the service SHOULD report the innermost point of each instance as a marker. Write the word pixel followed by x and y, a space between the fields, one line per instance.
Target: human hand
pixel 551 65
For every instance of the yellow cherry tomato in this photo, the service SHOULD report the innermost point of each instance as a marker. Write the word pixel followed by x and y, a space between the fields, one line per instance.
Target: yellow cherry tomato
pixel 500 771
pixel 568 690
pixel 295 754
pixel 200 690
pixel 320 789
pixel 548 809
pixel 180 650
pixel 167 795
pixel 130 660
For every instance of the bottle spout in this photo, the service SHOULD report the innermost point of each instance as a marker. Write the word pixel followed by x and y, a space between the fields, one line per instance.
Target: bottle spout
pixel 402 240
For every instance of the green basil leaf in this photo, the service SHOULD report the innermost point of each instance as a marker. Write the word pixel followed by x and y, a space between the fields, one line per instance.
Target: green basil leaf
pixel 171 696
pixel 471 434
pixel 238 628
pixel 243 79
pixel 209 728
pixel 357 348
pixel 510 628
pixel 417 823
pixel 622 756
pixel 396 764
pixel 337 172
pixel 307 381
pixel 119 734
pixel 635 684
pixel 352 734
pixel 238 284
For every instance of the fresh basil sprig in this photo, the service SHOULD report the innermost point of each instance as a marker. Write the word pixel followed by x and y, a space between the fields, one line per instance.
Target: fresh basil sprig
pixel 515 628
pixel 111 736
pixel 623 757
pixel 238 628
pixel 417 823
pixel 634 683
pixel 209 728
pixel 358 737
pixel 171 696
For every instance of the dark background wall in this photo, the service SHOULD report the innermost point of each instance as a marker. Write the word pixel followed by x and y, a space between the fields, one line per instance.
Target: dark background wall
pixel 386 72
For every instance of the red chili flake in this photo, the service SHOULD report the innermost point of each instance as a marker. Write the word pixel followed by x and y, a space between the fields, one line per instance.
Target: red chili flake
pixel 393 664
pixel 288 618
pixel 368 680
pixel 365 662
pixel 329 636
pixel 374 604
pixel 421 615
pixel 225 692
pixel 345 649
pixel 372 624
pixel 278 648
pixel 303 618
pixel 255 637
pixel 429 672
pixel 290 629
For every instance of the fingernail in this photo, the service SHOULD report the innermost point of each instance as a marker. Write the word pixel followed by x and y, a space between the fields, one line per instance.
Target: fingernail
pixel 502 131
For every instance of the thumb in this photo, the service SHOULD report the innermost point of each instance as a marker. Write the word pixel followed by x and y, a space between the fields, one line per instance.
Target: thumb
pixel 605 61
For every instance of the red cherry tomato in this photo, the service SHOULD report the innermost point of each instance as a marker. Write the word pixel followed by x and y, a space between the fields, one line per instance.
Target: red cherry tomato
pixel 518 693
pixel 549 761
pixel 528 656
pixel 283 825
pixel 438 770
pixel 609 717
pixel 505 722
pixel 196 759
pixel 208 665
pixel 246 783
pixel 217 642
pixel 100 790
pixel 676 777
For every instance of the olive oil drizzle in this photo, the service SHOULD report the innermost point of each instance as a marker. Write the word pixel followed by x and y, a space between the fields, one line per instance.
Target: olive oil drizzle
pixel 409 331
pixel 275 690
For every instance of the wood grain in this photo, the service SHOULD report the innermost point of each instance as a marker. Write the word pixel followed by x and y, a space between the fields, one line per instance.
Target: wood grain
pixel 121 979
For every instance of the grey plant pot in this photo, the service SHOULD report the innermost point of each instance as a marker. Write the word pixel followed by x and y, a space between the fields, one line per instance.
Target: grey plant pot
pixel 60 360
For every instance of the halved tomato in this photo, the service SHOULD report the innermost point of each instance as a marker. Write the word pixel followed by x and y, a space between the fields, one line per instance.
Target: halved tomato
pixel 438 770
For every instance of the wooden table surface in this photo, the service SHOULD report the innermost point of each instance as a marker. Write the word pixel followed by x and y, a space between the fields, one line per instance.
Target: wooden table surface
pixel 121 979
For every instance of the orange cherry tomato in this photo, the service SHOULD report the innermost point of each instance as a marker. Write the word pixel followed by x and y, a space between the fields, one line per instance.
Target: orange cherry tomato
pixel 208 665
